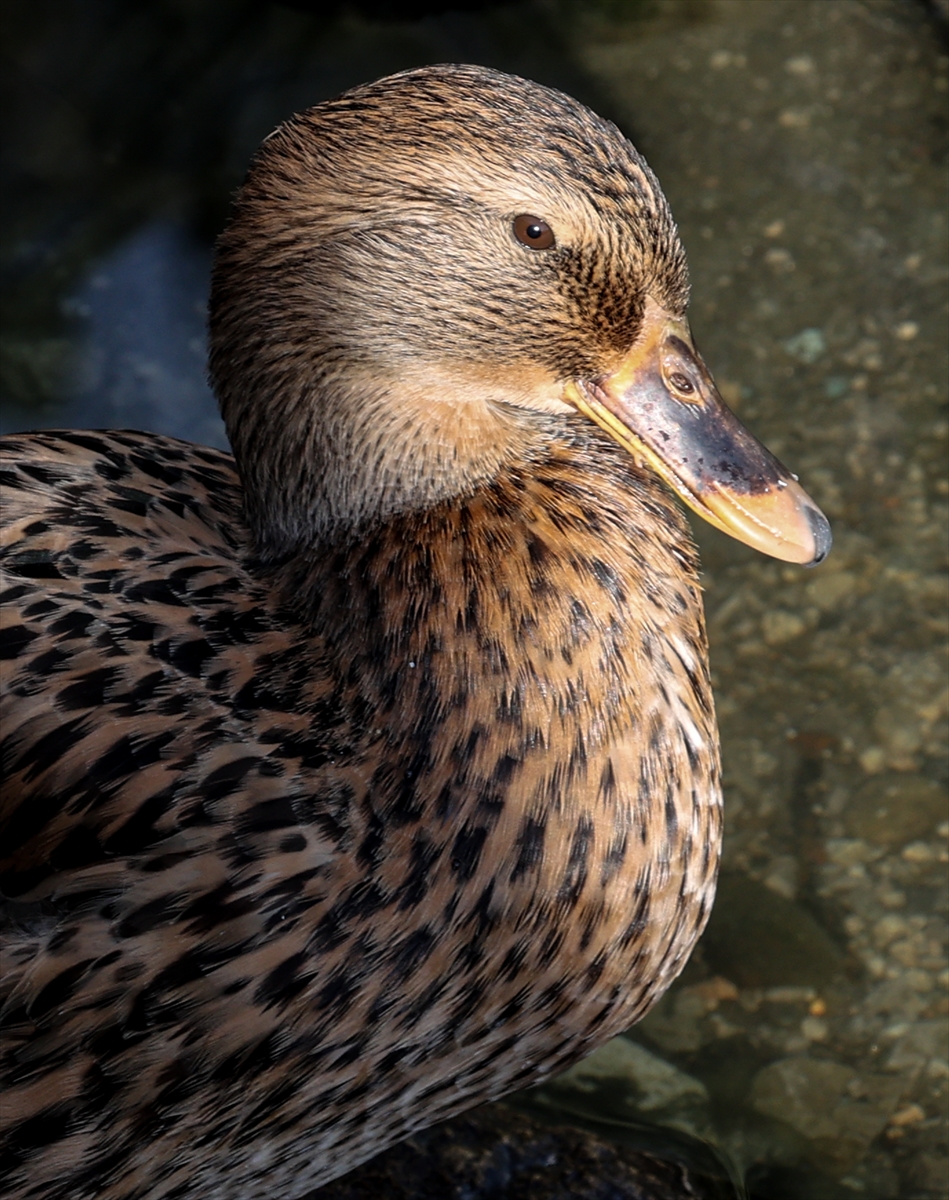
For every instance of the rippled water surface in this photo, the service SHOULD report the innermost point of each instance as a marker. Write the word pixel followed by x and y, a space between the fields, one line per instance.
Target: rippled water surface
pixel 802 146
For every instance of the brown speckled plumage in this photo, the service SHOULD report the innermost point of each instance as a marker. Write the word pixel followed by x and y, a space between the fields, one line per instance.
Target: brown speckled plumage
pixel 324 824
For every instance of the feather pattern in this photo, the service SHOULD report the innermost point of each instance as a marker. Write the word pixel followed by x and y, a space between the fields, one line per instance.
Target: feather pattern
pixel 319 830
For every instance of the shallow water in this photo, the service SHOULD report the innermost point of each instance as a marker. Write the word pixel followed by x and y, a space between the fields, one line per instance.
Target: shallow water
pixel 802 146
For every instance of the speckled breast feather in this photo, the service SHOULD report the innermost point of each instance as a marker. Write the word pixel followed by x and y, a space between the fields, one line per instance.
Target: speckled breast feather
pixel 297 862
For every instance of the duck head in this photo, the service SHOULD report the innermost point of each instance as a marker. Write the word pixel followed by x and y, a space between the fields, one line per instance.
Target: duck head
pixel 425 277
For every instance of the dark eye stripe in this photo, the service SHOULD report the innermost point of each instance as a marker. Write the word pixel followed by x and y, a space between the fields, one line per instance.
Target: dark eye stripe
pixel 533 232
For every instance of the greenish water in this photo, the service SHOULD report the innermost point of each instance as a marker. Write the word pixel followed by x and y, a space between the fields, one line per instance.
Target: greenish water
pixel 802 145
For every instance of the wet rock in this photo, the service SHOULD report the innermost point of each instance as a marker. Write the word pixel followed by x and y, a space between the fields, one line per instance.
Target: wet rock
pixel 888 929
pixel 923 1043
pixel 760 939
pixel 814 1029
pixel 915 698
pixel 33 368
pixel 872 1179
pixel 677 1025
pixel 783 876
pixel 806 346
pixel 895 808
pixel 929 1174
pixel 674 1024
pixel 496 1153
pixel 848 852
pixel 832 589
pixel 727 1067
pixel 922 853
pixel 656 1085
pixel 839 1110
pixel 779 626
pixel 894 996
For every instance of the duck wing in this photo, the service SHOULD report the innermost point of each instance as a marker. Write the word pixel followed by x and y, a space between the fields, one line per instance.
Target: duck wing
pixel 141 658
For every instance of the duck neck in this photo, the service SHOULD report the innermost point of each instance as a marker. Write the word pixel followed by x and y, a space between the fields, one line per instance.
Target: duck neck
pixel 369 456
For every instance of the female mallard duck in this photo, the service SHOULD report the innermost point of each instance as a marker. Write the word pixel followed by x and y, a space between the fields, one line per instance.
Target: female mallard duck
pixel 372 773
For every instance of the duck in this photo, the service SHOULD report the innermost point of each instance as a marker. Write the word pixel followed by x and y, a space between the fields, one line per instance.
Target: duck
pixel 370 772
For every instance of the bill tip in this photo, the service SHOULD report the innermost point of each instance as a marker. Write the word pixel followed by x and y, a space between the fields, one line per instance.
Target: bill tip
pixel 823 538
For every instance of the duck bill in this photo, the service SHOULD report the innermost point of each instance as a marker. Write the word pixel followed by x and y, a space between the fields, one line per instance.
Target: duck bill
pixel 664 407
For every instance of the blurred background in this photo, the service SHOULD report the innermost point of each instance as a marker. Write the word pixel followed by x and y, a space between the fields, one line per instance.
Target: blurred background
pixel 802 144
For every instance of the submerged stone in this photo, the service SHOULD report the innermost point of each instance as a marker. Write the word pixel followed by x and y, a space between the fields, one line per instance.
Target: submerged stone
pixel 655 1084
pixel 895 808
pixel 839 1110
pixel 760 939
pixel 924 1043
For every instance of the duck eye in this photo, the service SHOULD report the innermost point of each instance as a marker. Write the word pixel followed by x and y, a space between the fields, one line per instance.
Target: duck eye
pixel 533 232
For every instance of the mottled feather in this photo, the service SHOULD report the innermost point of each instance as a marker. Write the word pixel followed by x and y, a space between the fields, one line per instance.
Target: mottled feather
pixel 319 829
